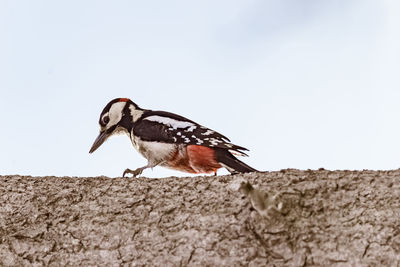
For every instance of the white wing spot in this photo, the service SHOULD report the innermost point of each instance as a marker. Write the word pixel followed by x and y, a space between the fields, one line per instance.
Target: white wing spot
pixel 214 142
pixel 175 124
pixel 199 141
pixel 187 140
pixel 237 153
pixel 178 133
pixel 208 132
pixel 191 128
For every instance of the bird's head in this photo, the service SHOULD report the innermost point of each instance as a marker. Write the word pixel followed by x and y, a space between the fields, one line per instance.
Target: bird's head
pixel 117 116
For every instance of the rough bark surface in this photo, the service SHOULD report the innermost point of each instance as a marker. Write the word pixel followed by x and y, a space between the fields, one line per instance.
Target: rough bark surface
pixel 328 218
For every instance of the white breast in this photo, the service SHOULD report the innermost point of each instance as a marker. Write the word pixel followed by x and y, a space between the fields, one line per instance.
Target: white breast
pixel 154 152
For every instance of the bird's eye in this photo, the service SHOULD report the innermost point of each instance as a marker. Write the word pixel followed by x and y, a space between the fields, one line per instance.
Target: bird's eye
pixel 106 119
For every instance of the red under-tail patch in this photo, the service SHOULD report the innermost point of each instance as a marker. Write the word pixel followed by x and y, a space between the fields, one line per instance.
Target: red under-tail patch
pixel 195 159
pixel 124 100
pixel 180 162
pixel 202 159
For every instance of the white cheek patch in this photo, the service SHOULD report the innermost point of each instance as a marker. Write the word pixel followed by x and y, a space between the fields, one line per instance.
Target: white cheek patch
pixel 115 113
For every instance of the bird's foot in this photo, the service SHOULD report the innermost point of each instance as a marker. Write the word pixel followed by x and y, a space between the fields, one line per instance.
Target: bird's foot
pixel 134 173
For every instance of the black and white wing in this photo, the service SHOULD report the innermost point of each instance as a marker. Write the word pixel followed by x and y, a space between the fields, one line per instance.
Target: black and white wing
pixel 161 126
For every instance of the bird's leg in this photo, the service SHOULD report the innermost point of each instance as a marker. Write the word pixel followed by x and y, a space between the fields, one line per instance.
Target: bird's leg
pixel 134 173
pixel 139 171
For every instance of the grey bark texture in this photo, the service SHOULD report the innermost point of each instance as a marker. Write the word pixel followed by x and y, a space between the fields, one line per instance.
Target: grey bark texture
pixel 311 218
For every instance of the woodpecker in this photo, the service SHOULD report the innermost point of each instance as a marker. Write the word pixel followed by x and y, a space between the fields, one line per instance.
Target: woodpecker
pixel 169 140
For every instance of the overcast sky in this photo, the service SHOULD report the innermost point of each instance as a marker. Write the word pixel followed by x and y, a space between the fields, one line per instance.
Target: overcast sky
pixel 301 83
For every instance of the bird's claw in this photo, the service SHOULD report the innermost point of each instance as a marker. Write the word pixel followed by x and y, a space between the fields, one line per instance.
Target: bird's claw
pixel 134 173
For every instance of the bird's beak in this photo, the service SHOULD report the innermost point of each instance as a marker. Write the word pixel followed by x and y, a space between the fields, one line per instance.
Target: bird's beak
pixel 99 141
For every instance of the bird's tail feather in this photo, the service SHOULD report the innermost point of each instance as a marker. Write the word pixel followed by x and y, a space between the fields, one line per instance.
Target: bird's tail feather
pixel 231 163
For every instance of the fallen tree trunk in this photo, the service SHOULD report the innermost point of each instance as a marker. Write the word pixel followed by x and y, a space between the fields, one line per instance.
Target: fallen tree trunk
pixel 344 218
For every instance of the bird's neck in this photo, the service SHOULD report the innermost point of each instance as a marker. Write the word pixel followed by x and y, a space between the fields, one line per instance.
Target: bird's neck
pixel 131 114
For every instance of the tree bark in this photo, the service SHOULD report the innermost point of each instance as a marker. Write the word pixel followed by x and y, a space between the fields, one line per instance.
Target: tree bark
pixel 326 218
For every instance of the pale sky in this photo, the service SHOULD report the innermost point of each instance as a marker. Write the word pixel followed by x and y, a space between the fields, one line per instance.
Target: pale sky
pixel 301 83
